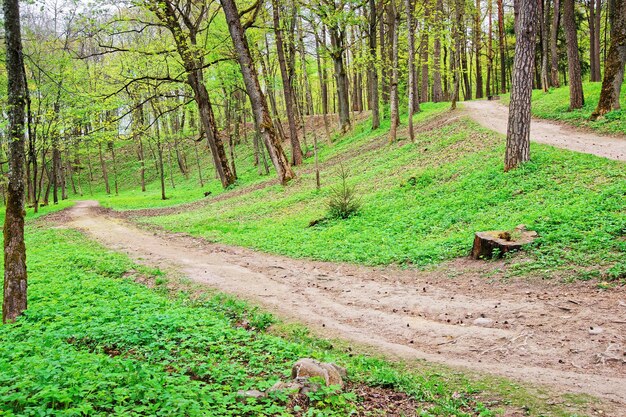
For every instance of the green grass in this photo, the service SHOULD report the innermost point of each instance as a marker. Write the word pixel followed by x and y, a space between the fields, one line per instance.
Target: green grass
pixel 94 342
pixel 555 105
pixel 575 202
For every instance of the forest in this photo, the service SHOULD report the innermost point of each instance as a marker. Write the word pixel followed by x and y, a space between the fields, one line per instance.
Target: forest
pixel 313 207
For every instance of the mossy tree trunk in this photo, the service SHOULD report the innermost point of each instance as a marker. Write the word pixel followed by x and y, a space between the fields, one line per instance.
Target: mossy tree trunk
pixel 614 66
pixel 15 275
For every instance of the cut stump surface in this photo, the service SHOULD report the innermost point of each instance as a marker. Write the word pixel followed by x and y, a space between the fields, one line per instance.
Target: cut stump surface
pixel 486 244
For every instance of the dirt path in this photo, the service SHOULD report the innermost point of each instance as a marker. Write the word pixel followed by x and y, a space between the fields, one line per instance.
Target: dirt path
pixel 530 331
pixel 494 116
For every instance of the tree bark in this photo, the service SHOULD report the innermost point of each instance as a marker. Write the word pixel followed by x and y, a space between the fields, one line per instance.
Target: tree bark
pixel 489 48
pixel 103 166
pixel 554 50
pixel 296 150
pixel 502 46
pixel 544 23
pixel 518 130
pixel 423 96
pixel 614 65
pixel 576 96
pixel 15 274
pixel 477 50
pixel 411 66
pixel 262 119
pixel 338 39
pixel 393 93
pixel 437 91
pixel 595 12
pixel 373 71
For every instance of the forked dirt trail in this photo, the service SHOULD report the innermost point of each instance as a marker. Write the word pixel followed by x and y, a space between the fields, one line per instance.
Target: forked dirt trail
pixel 494 116
pixel 571 337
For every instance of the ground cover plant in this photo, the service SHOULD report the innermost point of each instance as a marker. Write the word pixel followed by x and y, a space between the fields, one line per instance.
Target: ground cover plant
pixel 95 342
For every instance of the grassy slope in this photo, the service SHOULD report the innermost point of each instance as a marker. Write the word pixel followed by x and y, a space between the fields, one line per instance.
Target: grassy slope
pixel 576 203
pixel 555 105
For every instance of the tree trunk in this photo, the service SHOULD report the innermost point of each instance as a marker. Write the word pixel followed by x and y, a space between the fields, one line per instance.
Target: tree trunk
pixel 15 276
pixel 393 93
pixel 192 60
pixel 111 146
pixel 518 130
pixel 554 50
pixel 373 72
pixel 296 150
pixel 411 69
pixel 337 38
pixel 595 12
pixel 576 96
pixel 477 47
pixel 437 91
pixel 260 110
pixel 502 46
pixel 614 66
pixel 103 166
pixel 321 71
pixel 423 96
pixel 545 24
pixel 489 48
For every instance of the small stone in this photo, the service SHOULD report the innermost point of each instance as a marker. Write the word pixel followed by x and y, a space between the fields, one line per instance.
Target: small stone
pixel 482 321
pixel 310 368
pixel 253 393
pixel 292 387
pixel 595 330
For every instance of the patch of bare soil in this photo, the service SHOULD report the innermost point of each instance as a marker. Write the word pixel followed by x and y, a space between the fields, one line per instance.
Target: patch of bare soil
pixel 571 337
pixel 494 116
pixel 371 402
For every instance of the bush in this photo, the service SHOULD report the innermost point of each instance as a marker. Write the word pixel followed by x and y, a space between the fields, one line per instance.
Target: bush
pixel 343 201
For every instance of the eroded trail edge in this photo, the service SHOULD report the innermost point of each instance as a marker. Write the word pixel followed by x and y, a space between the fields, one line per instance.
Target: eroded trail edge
pixel 570 337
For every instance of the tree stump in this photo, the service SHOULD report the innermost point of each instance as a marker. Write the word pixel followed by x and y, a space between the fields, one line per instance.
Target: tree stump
pixel 501 242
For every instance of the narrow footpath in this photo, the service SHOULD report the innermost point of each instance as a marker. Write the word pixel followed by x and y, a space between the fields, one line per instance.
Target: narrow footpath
pixel 571 337
pixel 495 116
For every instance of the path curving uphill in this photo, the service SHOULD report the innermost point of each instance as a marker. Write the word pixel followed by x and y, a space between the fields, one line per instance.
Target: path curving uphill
pixel 494 116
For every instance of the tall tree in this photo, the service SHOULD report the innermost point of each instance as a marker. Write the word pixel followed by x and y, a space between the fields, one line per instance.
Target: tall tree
pixel 423 95
pixel 614 65
pixel 437 19
pixel 576 96
pixel 489 47
pixel 184 26
pixel 544 24
pixel 296 150
pixel 518 130
pixel 478 40
pixel 260 110
pixel 554 50
pixel 372 70
pixel 595 16
pixel 15 276
pixel 393 93
pixel 411 66
pixel 502 46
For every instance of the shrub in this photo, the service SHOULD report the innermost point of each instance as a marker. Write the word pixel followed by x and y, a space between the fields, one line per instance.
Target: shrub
pixel 343 201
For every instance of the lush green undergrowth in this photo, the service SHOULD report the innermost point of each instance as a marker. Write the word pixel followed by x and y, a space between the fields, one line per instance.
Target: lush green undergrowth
pixel 94 342
pixel 555 105
pixel 422 202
